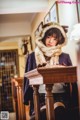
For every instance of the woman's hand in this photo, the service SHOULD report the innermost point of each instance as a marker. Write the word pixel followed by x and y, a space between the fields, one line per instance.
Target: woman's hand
pixel 64 64
pixel 43 65
pixel 47 65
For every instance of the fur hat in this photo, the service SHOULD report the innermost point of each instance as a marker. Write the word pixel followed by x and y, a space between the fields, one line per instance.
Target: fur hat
pixel 48 26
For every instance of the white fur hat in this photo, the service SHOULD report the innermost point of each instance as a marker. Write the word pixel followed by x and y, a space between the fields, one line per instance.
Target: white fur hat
pixel 48 26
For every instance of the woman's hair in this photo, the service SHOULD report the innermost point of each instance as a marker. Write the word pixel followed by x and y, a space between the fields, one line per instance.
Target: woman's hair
pixel 54 32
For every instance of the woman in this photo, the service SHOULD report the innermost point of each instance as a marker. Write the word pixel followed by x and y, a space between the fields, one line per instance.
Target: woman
pixel 48 53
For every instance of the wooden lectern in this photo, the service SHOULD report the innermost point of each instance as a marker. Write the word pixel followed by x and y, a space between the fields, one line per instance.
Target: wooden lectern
pixel 49 76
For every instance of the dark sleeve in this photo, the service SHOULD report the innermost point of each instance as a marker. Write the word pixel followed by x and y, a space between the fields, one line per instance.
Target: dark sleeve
pixel 27 90
pixel 69 62
pixel 67 85
pixel 74 96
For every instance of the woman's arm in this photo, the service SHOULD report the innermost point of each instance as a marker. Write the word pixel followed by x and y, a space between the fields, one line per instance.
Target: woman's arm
pixel 69 62
pixel 27 90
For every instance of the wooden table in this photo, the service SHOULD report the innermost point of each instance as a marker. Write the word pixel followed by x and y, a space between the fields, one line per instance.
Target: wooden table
pixel 49 76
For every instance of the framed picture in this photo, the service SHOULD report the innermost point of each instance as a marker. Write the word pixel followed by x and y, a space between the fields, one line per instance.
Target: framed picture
pixel 47 18
pixel 26 46
pixel 54 17
pixel 78 9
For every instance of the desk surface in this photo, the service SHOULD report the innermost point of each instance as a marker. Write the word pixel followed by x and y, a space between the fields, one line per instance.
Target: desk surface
pixel 50 75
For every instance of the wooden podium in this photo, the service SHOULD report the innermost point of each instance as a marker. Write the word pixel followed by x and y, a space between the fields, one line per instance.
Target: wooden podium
pixel 49 76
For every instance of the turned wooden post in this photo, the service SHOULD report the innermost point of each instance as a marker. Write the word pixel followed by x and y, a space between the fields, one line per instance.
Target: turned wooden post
pixel 20 107
pixel 36 102
pixel 49 103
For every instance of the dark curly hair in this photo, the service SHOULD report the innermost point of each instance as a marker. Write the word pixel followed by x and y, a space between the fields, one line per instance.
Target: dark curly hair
pixel 54 32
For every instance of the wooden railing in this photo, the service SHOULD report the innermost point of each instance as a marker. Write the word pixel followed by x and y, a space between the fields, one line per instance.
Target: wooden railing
pixel 49 76
pixel 17 93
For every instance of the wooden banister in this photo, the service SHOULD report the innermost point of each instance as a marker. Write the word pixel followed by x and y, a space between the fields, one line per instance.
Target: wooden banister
pixel 17 92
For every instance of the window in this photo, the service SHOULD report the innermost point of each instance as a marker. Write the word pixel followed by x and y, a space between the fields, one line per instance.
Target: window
pixel 8 68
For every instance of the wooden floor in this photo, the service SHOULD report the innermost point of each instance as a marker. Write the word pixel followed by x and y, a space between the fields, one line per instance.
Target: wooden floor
pixel 12 116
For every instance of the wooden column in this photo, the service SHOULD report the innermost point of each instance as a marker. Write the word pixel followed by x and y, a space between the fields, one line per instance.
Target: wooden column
pixel 49 103
pixel 36 102
pixel 19 106
pixel 14 94
pixel 18 102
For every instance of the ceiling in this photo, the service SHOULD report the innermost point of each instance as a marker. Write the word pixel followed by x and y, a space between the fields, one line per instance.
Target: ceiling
pixel 19 17
pixel 20 10
pixel 17 11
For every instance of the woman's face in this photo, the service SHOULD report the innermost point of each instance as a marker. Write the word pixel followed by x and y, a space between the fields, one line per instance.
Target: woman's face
pixel 51 41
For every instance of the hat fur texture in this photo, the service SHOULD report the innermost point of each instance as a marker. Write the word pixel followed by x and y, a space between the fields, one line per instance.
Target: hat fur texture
pixel 52 52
